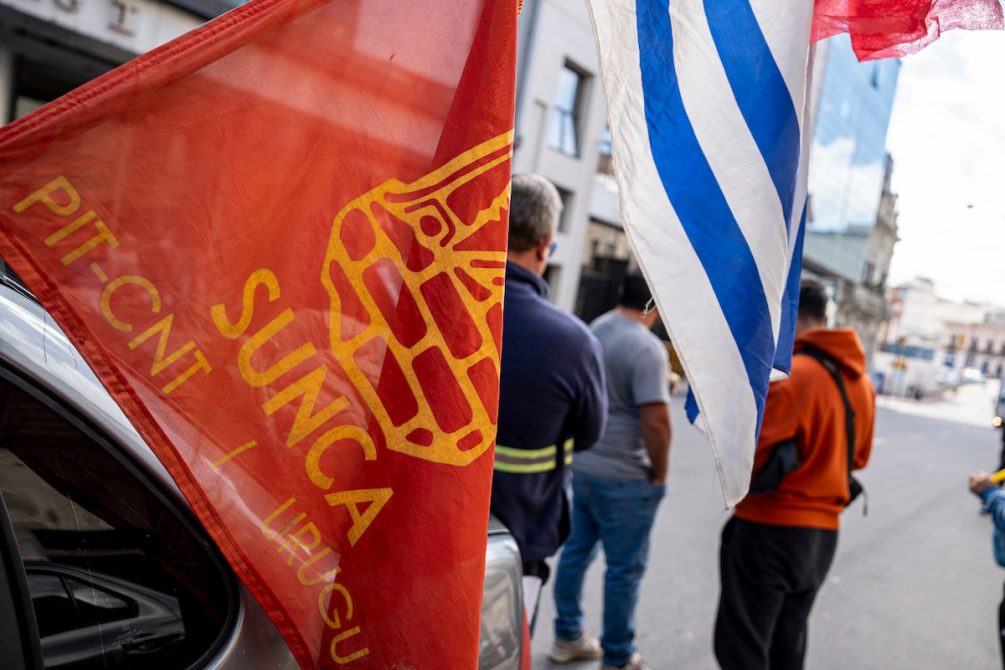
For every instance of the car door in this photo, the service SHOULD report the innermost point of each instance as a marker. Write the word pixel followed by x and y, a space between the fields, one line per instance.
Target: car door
pixel 19 648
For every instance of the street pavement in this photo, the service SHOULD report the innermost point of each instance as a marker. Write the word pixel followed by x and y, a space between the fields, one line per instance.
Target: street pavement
pixel 914 584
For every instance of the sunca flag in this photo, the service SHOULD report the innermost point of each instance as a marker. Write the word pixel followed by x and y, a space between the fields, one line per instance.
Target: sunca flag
pixel 707 107
pixel 280 242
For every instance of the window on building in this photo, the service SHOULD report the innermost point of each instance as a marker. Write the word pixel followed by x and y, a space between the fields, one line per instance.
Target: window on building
pixel 568 200
pixel 567 112
pixel 908 351
pixel 605 142
pixel 36 83
pixel 868 269
pixel 552 277
pixel 605 162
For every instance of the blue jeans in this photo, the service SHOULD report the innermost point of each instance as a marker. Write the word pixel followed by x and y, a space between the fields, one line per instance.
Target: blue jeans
pixel 619 514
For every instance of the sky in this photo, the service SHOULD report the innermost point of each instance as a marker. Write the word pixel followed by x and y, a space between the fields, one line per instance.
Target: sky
pixel 947 138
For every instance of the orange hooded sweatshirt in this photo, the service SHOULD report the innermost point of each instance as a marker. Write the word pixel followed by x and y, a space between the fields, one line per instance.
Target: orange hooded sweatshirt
pixel 807 406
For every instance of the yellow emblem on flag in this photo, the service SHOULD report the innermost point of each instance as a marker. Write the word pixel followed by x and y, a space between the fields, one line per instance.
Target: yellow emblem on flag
pixel 415 277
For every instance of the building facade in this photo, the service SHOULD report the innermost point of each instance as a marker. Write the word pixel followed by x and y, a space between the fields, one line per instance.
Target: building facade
pixel 848 160
pixel 976 346
pixel 929 342
pixel 560 122
pixel 883 237
pixel 49 47
pixel 851 226
pixel 863 305
pixel 607 254
pixel 919 316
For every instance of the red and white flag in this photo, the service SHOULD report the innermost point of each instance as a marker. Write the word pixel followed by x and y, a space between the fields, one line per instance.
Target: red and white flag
pixel 890 28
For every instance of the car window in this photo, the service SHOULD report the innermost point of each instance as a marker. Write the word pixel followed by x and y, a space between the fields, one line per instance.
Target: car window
pixel 53 607
pixel 119 577
pixel 96 605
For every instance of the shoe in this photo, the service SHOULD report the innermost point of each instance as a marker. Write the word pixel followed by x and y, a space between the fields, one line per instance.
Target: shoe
pixel 586 648
pixel 634 663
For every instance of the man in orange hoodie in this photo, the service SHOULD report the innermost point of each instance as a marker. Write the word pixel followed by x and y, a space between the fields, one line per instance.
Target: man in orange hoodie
pixel 779 544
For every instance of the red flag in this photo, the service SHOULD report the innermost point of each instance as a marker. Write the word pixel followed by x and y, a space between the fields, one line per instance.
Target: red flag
pixel 891 28
pixel 280 242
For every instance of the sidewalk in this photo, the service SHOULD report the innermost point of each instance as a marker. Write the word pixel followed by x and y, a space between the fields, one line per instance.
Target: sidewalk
pixel 972 404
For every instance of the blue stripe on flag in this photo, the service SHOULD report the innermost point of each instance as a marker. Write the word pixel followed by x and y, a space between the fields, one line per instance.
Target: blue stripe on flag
pixel 699 202
pixel 760 90
pixel 790 303
pixel 691 406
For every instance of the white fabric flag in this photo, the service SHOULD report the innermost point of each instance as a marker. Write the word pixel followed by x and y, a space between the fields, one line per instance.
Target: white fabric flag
pixel 706 102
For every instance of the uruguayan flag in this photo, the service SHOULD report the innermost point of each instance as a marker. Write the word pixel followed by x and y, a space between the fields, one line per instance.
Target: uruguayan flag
pixel 706 104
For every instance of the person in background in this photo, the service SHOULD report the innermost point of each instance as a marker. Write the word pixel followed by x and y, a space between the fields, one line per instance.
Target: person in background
pixel 553 398
pixel 618 485
pixel 993 497
pixel 779 544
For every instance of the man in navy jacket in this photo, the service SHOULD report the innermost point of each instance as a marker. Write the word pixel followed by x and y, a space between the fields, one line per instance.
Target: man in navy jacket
pixel 552 391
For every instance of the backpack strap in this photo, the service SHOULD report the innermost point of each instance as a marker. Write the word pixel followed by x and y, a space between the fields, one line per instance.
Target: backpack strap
pixel 834 370
pixel 849 413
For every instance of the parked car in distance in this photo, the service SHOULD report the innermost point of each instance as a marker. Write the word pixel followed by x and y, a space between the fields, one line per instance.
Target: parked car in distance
pixel 973 376
pixel 907 371
pixel 102 564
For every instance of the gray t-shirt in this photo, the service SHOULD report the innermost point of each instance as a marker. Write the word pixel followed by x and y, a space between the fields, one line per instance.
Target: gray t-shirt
pixel 636 364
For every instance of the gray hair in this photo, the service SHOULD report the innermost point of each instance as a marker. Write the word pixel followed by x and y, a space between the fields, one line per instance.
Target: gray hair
pixel 534 208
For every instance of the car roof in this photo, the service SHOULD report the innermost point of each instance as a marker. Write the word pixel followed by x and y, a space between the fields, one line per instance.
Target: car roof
pixel 33 345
